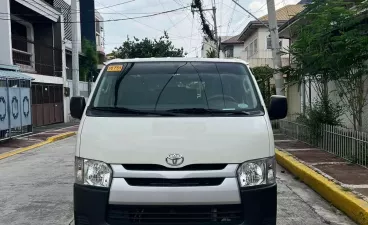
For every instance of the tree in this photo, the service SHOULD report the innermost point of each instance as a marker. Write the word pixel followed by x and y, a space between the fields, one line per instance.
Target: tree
pixel 89 60
pixel 211 53
pixel 147 48
pixel 263 74
pixel 331 46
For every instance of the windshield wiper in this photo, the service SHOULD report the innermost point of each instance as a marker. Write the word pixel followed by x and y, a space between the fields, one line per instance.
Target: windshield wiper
pixel 208 111
pixel 124 110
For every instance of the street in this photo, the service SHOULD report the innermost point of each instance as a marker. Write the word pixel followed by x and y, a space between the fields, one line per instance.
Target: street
pixel 36 188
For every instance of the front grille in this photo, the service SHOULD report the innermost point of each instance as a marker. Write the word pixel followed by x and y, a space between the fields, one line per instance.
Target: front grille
pixel 222 215
pixel 155 167
pixel 159 182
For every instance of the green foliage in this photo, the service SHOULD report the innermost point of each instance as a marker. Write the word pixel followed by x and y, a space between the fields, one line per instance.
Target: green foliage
pixel 88 62
pixel 323 112
pixel 147 48
pixel 332 45
pixel 211 53
pixel 263 74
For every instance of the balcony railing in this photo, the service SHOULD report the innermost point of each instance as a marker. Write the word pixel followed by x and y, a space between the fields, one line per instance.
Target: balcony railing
pixel 22 57
pixel 35 57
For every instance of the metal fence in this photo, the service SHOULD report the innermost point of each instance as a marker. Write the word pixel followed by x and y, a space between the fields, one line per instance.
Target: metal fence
pixel 15 108
pixel 347 143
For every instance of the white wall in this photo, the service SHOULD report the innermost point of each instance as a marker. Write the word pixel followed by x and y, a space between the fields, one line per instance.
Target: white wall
pixel 206 46
pixel 238 52
pixel 5 37
pixel 263 56
pixel 333 95
pixel 83 88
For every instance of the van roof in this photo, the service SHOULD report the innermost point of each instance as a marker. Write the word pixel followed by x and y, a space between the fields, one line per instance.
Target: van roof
pixel 175 59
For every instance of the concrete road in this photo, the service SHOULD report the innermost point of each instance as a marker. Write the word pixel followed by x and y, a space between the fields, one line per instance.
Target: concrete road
pixel 36 189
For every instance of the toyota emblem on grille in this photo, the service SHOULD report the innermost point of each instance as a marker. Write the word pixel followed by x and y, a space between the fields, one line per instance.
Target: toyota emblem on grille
pixel 175 159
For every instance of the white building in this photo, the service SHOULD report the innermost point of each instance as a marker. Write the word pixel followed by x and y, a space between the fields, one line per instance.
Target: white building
pixel 253 44
pixel 36 36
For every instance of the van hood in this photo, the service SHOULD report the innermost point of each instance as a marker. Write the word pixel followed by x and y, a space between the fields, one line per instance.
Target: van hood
pixel 149 140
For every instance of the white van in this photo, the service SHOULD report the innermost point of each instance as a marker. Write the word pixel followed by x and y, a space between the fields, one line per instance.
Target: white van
pixel 175 141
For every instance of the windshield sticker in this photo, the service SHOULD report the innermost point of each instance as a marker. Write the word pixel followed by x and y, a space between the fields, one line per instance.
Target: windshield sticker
pixel 243 106
pixel 115 68
pixel 231 109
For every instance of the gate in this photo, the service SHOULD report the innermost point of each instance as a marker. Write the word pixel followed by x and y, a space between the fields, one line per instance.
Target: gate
pixel 15 106
pixel 47 104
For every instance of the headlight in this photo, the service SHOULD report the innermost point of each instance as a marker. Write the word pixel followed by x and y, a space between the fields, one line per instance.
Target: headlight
pixel 91 172
pixel 257 172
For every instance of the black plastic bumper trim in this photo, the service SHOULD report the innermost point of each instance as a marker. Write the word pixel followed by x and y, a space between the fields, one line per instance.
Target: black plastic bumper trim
pixel 259 205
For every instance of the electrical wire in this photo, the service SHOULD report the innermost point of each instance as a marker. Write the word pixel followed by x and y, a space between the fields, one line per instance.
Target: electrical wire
pixel 230 20
pixel 110 20
pixel 171 21
pixel 144 23
pixel 122 3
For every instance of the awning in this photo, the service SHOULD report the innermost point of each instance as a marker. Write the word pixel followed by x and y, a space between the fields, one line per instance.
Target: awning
pixel 14 75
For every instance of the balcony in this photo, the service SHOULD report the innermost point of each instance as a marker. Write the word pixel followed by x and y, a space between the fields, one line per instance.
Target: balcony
pixel 35 57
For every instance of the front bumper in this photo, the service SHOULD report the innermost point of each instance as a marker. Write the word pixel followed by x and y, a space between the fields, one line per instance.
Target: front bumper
pixel 258 206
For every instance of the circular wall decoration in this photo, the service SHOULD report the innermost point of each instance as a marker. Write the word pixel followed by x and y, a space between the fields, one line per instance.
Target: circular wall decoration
pixel 2 114
pixel 15 108
pixel 26 106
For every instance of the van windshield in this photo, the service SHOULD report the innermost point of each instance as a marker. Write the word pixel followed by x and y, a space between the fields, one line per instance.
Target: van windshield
pixel 177 87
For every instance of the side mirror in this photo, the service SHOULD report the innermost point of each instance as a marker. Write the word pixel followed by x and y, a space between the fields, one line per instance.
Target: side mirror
pixel 278 107
pixel 77 105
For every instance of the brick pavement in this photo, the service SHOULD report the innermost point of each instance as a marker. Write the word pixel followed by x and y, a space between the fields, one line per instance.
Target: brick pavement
pixel 350 176
pixel 40 135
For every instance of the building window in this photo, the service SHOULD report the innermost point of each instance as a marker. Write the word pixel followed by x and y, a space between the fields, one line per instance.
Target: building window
pixel 22 43
pixel 229 53
pixel 255 46
pixel 250 49
pixel 98 26
pixel 269 44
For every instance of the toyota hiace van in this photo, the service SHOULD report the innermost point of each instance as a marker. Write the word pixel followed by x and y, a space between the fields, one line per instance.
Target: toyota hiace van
pixel 175 141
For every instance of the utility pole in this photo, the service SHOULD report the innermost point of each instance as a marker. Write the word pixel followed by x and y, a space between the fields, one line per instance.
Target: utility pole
pixel 75 54
pixel 215 30
pixel 213 9
pixel 275 43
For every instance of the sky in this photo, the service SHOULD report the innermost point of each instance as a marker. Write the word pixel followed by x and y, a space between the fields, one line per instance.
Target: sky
pixel 183 28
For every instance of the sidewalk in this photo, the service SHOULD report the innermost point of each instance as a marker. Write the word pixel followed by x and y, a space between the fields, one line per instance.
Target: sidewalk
pixel 342 183
pixel 350 176
pixel 39 135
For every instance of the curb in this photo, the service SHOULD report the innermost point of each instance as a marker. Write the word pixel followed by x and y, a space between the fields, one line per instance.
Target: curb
pixel 48 141
pixel 351 205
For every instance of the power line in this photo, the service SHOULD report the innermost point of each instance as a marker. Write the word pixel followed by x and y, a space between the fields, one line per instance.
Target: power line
pixel 144 23
pixel 122 3
pixel 230 20
pixel 110 20
pixel 170 19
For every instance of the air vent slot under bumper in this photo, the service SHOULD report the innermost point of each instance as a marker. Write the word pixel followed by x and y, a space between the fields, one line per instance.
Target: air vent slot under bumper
pixel 211 214
pixel 189 182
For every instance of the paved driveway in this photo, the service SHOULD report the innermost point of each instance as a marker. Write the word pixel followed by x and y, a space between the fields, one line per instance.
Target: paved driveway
pixel 36 189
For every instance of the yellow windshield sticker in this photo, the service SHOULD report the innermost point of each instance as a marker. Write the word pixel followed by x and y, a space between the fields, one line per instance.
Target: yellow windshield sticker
pixel 115 68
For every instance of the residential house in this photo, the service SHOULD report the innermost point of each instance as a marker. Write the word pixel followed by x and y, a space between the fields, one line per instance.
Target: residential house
pixel 231 47
pixel 36 36
pixel 257 40
pixel 32 39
